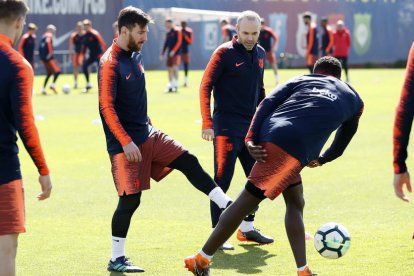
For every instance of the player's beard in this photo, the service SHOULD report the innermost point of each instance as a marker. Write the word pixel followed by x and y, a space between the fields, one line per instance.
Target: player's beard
pixel 134 46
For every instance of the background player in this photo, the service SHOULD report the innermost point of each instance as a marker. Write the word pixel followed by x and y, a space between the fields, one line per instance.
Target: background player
pixel 268 40
pixel 137 150
pixel 227 30
pixel 172 44
pixel 75 49
pixel 16 114
pixel 327 38
pixel 94 43
pixel 342 43
pixel 48 60
pixel 311 41
pixel 287 133
pixel 235 72
pixel 402 129
pixel 28 43
pixel 187 40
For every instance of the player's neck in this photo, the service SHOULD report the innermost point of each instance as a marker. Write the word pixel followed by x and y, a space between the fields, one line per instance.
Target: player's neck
pixel 7 31
pixel 122 43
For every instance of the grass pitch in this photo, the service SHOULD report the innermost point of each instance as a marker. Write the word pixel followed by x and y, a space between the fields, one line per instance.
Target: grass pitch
pixel 69 234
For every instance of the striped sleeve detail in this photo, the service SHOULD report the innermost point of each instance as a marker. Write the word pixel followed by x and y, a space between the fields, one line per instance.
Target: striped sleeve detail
pixel 273 34
pixel 179 40
pixel 49 45
pixel 404 117
pixel 21 44
pixel 100 39
pixel 310 37
pixel 107 95
pixel 72 39
pixel 211 74
pixel 188 35
pixel 21 100
pixel 331 39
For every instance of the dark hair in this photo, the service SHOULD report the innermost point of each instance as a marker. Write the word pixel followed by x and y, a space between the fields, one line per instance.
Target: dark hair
pixel 307 14
pixel 10 10
pixel 328 66
pixel 130 16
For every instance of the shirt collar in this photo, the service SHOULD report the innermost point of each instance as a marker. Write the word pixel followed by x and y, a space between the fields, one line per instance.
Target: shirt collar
pixel 5 39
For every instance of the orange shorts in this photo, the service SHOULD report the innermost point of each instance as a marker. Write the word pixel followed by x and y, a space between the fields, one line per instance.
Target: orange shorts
pixel 271 57
pixel 51 66
pixel 174 60
pixel 158 151
pixel 185 57
pixel 77 59
pixel 311 59
pixel 278 172
pixel 12 214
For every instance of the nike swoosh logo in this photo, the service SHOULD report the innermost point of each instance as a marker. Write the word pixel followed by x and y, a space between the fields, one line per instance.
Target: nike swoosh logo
pixel 116 240
pixel 238 64
pixel 57 41
pixel 128 76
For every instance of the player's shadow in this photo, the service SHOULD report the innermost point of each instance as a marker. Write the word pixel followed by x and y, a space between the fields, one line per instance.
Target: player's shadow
pixel 249 262
pixel 118 274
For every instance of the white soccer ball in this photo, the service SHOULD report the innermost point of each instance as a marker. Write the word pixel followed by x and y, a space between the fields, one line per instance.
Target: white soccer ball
pixel 332 240
pixel 66 88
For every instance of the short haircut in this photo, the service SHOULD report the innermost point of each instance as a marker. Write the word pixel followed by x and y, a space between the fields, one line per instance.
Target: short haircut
pixel 224 21
pixel 307 14
pixel 32 26
pixel 169 20
pixel 10 10
pixel 130 16
pixel 87 22
pixel 324 19
pixel 328 66
pixel 249 15
pixel 262 21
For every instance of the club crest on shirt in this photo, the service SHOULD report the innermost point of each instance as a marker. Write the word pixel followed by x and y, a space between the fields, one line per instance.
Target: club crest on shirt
pixel 261 63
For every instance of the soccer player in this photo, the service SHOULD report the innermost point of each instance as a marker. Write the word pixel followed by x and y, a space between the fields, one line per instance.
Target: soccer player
pixel 47 58
pixel 227 30
pixel 137 150
pixel 172 44
pixel 94 43
pixel 75 49
pixel 268 40
pixel 235 72
pixel 311 41
pixel 287 133
pixel 342 43
pixel 187 40
pixel 16 115
pixel 28 43
pixel 402 129
pixel 327 38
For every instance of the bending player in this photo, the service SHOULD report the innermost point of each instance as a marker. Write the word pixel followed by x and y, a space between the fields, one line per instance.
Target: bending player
pixel 287 133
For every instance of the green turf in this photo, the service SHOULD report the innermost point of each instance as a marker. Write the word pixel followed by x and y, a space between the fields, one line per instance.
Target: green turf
pixel 69 234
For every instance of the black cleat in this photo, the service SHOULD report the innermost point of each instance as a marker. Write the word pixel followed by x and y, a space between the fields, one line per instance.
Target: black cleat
pixel 253 236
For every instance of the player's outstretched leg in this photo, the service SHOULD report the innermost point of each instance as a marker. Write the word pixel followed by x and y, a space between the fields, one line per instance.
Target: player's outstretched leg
pixel 189 165
pixel 247 232
pixel 229 221
pixel 295 228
